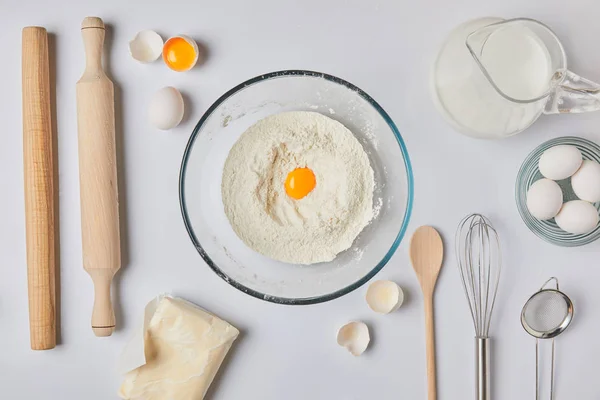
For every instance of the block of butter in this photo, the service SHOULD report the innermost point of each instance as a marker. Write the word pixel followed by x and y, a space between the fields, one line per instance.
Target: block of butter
pixel 177 353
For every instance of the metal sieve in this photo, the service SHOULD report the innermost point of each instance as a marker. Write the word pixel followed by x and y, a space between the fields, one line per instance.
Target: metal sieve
pixel 546 315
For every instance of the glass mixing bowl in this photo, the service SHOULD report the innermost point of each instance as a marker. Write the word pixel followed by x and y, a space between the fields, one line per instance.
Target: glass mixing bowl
pixel 529 173
pixel 201 174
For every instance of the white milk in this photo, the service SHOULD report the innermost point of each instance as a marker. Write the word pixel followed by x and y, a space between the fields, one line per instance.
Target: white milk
pixel 518 63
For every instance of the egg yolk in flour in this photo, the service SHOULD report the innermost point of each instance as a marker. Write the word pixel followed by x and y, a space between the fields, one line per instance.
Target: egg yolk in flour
pixel 300 182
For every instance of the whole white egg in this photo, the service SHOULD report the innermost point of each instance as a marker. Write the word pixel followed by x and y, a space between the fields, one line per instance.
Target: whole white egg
pixel 544 199
pixel 586 181
pixel 166 108
pixel 560 162
pixel 577 217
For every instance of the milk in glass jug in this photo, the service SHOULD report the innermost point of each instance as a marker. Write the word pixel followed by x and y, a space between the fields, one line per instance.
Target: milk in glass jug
pixel 493 78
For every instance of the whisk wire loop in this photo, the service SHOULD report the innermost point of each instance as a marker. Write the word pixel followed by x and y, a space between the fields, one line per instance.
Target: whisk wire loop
pixel 479 262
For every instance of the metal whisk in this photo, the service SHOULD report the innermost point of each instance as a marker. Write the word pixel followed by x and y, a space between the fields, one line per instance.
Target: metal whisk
pixel 479 262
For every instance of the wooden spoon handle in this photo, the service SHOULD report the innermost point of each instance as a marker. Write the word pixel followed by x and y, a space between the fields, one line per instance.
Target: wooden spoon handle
pixel 39 188
pixel 430 344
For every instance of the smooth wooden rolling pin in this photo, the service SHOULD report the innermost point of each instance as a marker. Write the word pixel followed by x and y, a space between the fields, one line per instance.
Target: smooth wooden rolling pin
pixel 39 188
pixel 98 176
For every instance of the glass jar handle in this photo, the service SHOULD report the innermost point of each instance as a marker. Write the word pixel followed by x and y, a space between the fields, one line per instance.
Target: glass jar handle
pixel 573 95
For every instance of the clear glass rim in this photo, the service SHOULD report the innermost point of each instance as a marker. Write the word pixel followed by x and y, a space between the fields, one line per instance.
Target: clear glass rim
pixel 265 296
pixel 552 88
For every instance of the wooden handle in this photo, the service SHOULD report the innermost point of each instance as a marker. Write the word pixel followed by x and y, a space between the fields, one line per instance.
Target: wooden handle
pixel 39 188
pixel 98 176
pixel 92 30
pixel 430 345
pixel 103 316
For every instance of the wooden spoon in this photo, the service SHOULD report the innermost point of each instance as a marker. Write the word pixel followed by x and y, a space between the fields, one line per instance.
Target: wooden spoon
pixel 426 254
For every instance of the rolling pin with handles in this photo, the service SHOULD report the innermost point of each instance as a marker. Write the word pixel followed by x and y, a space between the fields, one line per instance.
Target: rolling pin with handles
pixel 39 188
pixel 98 176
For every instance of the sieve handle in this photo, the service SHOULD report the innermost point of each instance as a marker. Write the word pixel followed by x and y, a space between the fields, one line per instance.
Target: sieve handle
pixel 482 366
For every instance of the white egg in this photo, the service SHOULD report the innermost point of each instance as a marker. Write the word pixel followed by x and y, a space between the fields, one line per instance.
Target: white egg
pixel 577 217
pixel 560 162
pixel 166 108
pixel 544 199
pixel 586 181
pixel 146 46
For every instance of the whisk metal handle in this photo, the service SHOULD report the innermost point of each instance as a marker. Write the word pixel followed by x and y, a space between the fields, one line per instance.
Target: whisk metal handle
pixel 482 366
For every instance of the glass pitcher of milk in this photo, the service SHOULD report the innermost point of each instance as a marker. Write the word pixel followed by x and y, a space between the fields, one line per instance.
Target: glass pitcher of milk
pixel 493 78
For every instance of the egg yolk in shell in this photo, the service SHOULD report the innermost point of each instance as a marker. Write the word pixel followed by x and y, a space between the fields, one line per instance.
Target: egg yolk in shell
pixel 179 54
pixel 300 182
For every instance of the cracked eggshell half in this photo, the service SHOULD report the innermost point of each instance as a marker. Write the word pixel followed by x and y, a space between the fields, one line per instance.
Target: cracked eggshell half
pixel 146 46
pixel 354 336
pixel 180 53
pixel 384 296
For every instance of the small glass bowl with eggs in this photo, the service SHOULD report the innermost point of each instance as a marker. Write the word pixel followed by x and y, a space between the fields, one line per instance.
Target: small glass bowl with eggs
pixel 558 191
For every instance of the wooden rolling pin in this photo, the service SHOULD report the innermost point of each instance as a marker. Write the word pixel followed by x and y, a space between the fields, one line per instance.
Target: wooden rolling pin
pixel 98 176
pixel 39 188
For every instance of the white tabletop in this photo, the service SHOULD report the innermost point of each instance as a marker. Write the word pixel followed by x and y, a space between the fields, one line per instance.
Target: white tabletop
pixel 385 48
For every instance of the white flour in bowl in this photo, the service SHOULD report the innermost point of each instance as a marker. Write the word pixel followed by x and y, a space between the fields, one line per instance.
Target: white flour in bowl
pixel 317 227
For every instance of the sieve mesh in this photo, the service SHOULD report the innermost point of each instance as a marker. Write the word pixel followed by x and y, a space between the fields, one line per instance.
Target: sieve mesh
pixel 546 311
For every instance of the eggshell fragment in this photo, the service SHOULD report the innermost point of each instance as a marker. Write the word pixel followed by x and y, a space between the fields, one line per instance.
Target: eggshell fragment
pixel 577 217
pixel 560 162
pixel 354 336
pixel 384 296
pixel 586 181
pixel 146 46
pixel 544 199
pixel 166 108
